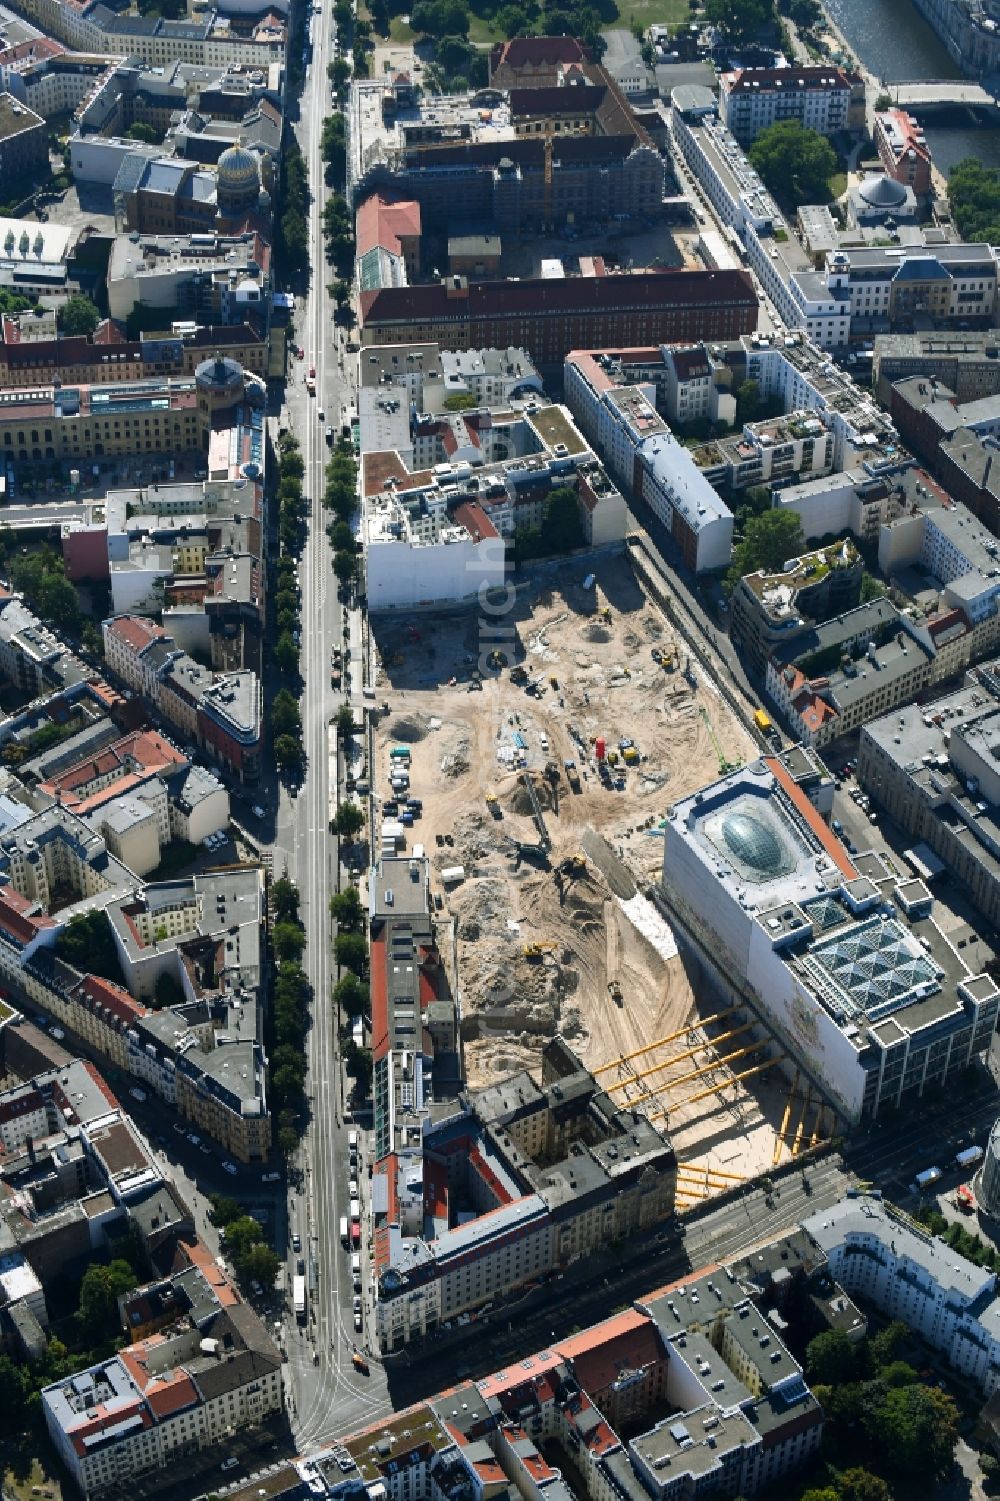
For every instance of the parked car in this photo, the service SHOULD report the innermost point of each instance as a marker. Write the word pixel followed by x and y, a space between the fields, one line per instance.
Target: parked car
pixel 230 1167
pixel 296 1243
pixel 357 1323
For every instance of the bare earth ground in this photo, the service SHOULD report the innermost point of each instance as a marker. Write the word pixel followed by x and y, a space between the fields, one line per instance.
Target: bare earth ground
pixel 610 686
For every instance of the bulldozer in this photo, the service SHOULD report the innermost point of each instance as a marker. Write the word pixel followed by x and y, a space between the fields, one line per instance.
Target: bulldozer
pixel 538 950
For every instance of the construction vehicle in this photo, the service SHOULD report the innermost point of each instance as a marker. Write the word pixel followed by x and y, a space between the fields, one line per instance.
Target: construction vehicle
pixel 572 775
pixel 538 950
pixel 518 675
pixel 615 992
pixel 762 721
pixel 630 756
pixel 605 613
pixel 656 654
pixel 574 864
pixel 359 1362
pixel 724 764
pixel 493 803
pixel 497 659
pixel 554 683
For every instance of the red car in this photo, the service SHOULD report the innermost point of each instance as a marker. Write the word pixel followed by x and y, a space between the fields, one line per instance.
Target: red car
pixel 312 372
pixel 300 352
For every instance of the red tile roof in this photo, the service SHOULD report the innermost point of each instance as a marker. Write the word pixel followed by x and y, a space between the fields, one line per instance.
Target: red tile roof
pixel 134 631
pixel 471 515
pixel 167 1397
pixel 386 222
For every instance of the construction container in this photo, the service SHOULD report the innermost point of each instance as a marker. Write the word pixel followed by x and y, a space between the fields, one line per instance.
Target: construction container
pixel 600 747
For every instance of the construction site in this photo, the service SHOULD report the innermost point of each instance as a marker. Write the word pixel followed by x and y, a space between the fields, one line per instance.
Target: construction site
pixel 535 773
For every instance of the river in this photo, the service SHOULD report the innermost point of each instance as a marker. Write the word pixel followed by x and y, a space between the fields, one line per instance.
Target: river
pixel 892 40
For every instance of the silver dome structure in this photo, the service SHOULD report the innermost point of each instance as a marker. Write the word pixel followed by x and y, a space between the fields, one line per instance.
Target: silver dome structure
pixel 882 192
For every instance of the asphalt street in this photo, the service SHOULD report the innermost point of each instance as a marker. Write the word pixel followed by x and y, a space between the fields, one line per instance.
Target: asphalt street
pixel 327 1395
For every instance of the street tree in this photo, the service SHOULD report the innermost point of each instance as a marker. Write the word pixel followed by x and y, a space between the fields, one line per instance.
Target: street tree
pixel 350 820
pixel 351 951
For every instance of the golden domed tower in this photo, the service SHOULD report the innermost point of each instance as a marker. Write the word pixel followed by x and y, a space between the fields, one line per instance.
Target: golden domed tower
pixel 238 181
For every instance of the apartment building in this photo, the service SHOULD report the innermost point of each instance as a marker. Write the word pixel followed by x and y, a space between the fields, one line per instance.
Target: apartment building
pixel 214 41
pixel 548 318
pixel 164 1398
pixel 443 494
pixel 223 714
pixel 839 674
pixel 770 610
pixel 642 455
pixel 882 1256
pixel 703 1349
pixel 516 1181
pixel 825 99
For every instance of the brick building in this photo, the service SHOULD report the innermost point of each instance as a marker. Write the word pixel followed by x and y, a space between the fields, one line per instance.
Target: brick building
pixel 549 318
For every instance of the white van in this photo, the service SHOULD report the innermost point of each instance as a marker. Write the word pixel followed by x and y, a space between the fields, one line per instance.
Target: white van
pixel 352 1141
pixel 138 1094
pixel 356 1264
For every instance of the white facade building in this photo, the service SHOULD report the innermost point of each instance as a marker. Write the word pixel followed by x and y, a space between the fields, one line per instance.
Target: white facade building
pixel 855 979
pixel 881 1255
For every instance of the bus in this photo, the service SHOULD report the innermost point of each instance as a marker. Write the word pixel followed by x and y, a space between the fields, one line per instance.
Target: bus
pixel 299 1297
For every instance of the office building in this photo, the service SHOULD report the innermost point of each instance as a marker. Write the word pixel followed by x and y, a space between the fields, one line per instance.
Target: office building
pixel 535 157
pixel 549 318
pixel 24 150
pixel 903 149
pixel 839 955
pixel 967 361
pixel 932 768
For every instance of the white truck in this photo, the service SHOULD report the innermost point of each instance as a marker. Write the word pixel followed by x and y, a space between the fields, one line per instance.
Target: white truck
pixel 926 1179
pixel 969 1156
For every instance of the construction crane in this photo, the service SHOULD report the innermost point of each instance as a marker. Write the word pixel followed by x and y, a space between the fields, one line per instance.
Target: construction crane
pixel 724 764
pixel 548 182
